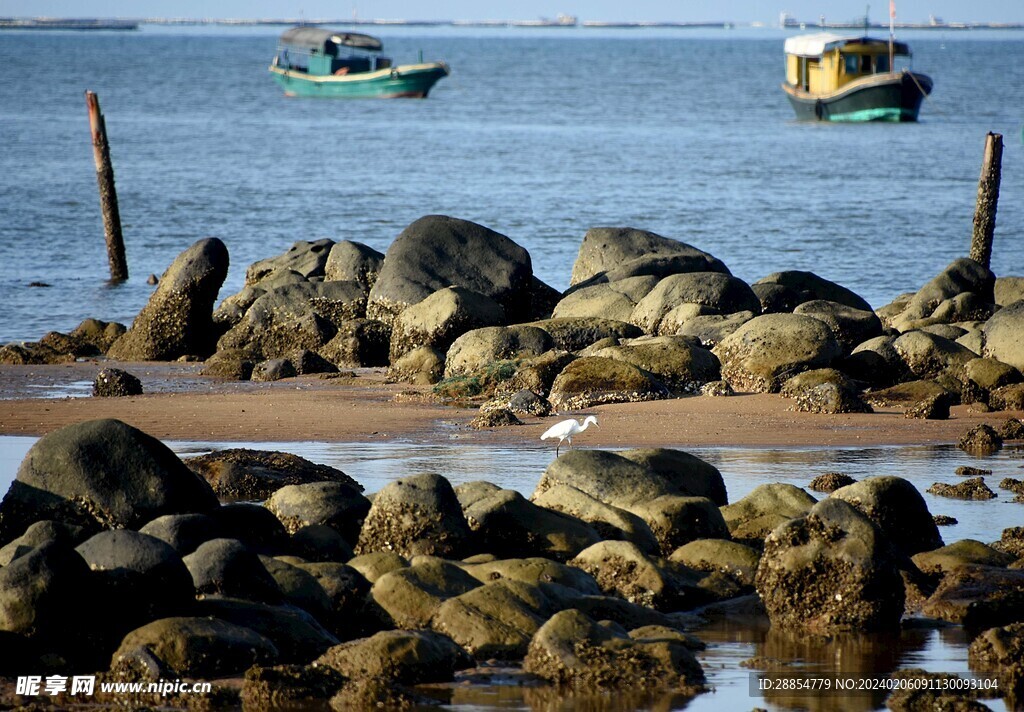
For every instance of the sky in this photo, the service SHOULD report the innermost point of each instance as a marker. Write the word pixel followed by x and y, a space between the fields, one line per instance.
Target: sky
pixel 766 11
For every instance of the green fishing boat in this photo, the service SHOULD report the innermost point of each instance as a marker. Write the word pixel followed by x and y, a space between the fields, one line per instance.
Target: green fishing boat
pixel 312 61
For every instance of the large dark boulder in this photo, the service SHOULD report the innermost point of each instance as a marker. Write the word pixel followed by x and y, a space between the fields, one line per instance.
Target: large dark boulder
pixel 39 534
pixel 350 261
pixel 307 259
pixel 297 635
pixel 140 578
pixel 295 316
pixel 478 349
pixel 962 276
pixel 437 251
pixel 897 508
pixel 722 292
pixel 348 591
pixel 687 474
pixel 850 326
pixel 609 521
pixel 441 318
pixel 726 557
pixel 677 361
pixel 1004 335
pixel 200 648
pixel 677 520
pixel 507 525
pixel 608 253
pixel 229 568
pixel 612 300
pixel 606 476
pixel 928 355
pixel 183 532
pixel 594 380
pixel 831 570
pixel 99 474
pixel 48 596
pixel 770 348
pixel 410 596
pixel 398 656
pixel 416 515
pixel 577 333
pixel 621 569
pixel 178 319
pixel 764 508
pixel 535 572
pixel 252 524
pixel 359 343
pixel 254 475
pixel 334 504
pixel 570 649
pixel 808 286
pixel 496 620
pixel 299 588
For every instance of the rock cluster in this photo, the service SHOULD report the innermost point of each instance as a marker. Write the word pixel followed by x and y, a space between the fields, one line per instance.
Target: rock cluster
pixel 645 317
pixel 115 556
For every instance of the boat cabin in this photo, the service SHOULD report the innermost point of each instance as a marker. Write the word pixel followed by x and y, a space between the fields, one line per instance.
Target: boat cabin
pixel 824 62
pixel 326 52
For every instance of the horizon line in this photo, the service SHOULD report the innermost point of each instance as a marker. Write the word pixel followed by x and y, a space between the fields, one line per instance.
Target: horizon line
pixel 565 22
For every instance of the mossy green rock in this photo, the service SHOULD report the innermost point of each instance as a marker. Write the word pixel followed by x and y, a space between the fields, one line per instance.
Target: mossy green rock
pixel 766 350
pixel 594 380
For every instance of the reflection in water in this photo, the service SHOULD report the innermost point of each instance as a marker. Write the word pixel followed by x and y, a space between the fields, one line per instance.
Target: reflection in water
pixel 848 654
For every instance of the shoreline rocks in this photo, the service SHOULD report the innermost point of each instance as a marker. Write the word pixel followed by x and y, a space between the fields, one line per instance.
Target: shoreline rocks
pixel 454 299
pixel 588 584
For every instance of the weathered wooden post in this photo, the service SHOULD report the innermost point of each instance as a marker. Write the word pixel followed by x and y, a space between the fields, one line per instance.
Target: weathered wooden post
pixel 988 200
pixel 108 194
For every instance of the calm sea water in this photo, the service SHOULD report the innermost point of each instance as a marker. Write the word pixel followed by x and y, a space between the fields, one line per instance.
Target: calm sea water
pixel 539 134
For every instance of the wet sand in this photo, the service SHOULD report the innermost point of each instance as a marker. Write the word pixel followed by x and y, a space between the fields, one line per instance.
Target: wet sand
pixel 180 404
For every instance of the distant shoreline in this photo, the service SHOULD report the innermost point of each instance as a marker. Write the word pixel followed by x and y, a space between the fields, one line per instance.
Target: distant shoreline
pixel 49 23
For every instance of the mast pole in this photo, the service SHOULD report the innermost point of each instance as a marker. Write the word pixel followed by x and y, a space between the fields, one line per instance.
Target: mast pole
pixel 892 35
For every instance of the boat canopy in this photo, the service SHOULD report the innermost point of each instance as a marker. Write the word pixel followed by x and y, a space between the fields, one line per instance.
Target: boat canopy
pixel 818 44
pixel 316 39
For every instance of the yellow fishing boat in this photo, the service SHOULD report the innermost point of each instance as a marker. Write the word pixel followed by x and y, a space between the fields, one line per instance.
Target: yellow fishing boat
pixel 835 78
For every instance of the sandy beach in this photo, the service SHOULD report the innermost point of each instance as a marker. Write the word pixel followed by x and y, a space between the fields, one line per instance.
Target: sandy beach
pixel 183 405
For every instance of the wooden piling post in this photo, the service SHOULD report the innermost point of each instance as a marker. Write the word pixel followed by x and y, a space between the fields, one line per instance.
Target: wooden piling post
pixel 988 200
pixel 108 194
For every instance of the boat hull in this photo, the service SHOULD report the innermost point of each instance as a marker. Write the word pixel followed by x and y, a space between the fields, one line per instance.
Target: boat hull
pixel 411 80
pixel 886 97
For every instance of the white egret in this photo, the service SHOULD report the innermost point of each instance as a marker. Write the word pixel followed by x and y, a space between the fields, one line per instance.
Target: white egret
pixel 566 429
